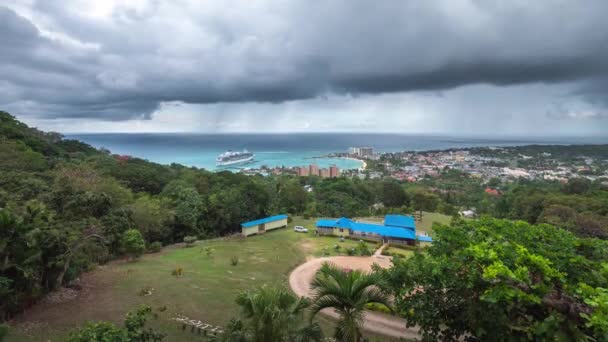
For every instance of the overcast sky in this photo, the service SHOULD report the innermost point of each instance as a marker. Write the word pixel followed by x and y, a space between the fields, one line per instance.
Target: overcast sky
pixel 447 66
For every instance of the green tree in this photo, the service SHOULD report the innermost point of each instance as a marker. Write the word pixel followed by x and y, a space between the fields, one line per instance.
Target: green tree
pixel 348 292
pixel 393 194
pixel 292 197
pixel 424 200
pixel 271 314
pixel 188 208
pixel 133 243
pixel 151 218
pixel 578 185
pixel 499 280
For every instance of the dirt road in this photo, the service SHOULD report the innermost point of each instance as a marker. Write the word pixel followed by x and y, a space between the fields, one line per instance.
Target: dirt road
pixel 301 277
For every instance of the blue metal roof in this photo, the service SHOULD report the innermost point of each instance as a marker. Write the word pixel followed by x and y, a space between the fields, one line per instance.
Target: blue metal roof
pixel 424 238
pixel 382 230
pixel 400 221
pixel 264 220
pixel 387 231
pixel 326 223
pixel 344 222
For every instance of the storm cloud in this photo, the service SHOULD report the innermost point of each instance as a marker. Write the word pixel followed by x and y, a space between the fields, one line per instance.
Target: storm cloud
pixel 115 62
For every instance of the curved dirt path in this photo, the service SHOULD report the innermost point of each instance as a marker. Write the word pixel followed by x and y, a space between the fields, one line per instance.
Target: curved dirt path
pixel 391 326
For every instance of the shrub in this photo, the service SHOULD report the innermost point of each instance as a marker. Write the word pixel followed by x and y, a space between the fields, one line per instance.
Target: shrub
pixel 155 247
pixel 289 219
pixel 189 240
pixel 406 247
pixel 362 249
pixel 351 251
pixel 208 251
pixel 133 243
pixel 234 261
pixel 177 272
pixel 337 248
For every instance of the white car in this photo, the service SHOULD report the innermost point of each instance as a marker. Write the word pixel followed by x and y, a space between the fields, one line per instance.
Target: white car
pixel 300 229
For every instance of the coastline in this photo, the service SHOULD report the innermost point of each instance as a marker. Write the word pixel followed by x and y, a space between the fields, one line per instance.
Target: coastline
pixel 363 163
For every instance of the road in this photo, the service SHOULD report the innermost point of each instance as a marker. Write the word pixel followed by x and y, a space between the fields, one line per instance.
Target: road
pixel 391 326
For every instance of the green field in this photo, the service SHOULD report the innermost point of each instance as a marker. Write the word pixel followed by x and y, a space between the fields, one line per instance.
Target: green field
pixel 206 290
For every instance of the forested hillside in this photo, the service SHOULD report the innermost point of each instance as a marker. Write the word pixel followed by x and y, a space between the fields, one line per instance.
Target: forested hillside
pixel 66 206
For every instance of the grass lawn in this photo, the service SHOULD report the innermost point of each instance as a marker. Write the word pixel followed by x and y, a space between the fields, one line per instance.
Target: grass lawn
pixel 206 291
pixel 426 224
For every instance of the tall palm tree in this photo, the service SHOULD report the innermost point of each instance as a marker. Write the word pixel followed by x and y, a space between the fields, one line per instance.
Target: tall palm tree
pixel 347 292
pixel 271 314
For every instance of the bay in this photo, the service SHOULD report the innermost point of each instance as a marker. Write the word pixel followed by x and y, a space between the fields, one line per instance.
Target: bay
pixel 293 149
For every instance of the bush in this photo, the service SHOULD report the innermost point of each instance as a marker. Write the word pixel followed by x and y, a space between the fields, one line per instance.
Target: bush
pixel 208 251
pixel 177 272
pixel 189 240
pixel 133 243
pixel 234 261
pixel 289 219
pixel 155 247
pixel 351 251
pixel 406 247
pixel 362 249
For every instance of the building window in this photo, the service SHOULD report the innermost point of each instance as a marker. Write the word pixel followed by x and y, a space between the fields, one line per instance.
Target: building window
pixel 341 230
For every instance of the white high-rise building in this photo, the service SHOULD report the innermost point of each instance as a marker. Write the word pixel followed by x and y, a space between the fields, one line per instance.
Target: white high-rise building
pixel 366 151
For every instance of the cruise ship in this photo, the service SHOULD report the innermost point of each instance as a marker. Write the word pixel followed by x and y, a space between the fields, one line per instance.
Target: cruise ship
pixel 232 158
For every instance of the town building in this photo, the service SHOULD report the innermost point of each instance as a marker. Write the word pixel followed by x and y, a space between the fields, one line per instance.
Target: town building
pixel 366 151
pixel 261 226
pixel 313 170
pixel 334 171
pixel 324 173
pixel 396 229
pixel 303 171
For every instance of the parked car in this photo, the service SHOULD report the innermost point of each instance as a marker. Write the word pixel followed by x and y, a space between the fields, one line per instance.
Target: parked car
pixel 300 229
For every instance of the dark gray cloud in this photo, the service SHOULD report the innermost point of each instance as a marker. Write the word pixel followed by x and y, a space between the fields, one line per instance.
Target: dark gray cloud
pixel 66 62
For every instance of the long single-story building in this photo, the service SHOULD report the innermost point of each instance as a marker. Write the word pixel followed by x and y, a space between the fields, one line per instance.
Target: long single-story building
pixel 399 229
pixel 261 226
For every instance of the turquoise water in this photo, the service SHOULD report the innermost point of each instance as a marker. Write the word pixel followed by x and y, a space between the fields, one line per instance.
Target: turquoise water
pixel 200 150
pixel 269 158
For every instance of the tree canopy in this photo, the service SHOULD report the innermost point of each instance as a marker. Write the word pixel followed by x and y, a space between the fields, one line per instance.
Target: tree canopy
pixel 504 280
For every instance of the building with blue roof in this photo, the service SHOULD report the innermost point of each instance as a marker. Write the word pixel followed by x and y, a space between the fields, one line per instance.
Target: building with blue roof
pixel 399 229
pixel 263 225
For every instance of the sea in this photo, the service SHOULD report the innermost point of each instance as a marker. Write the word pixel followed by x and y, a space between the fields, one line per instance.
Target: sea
pixel 293 149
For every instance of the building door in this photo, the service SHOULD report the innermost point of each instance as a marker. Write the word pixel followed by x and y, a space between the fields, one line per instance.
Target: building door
pixel 262 228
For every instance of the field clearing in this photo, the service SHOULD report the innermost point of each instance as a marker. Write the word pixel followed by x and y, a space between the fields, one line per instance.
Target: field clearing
pixel 206 291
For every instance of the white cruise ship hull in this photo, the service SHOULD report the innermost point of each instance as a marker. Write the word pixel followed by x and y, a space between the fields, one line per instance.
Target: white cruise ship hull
pixel 234 162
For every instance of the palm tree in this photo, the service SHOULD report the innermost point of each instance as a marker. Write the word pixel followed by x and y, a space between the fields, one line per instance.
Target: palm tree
pixel 347 292
pixel 271 314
